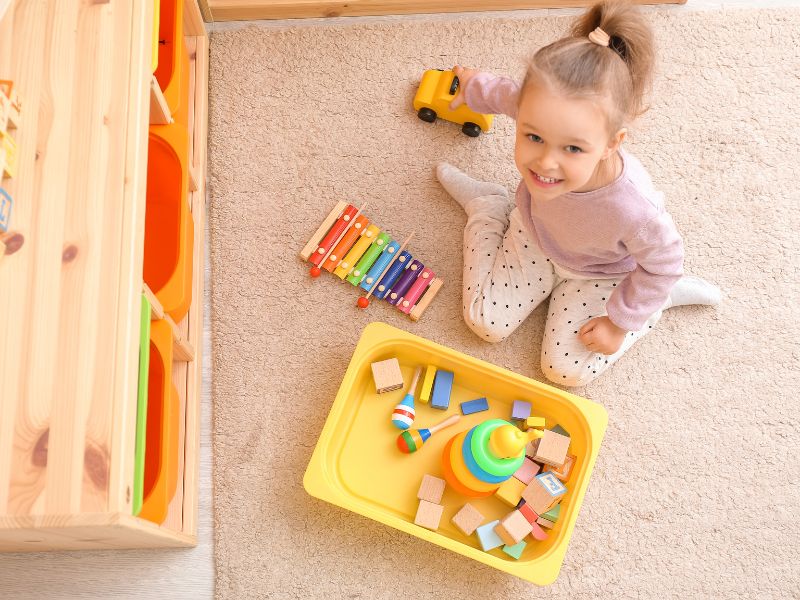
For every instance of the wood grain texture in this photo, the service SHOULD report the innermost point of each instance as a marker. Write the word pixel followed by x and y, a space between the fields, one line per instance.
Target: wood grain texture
pixel 237 10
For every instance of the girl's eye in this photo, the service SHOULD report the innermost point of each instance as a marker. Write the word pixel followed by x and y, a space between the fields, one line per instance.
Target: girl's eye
pixel 534 138
pixel 573 149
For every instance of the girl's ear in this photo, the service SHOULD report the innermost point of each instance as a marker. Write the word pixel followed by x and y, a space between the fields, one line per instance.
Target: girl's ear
pixel 615 142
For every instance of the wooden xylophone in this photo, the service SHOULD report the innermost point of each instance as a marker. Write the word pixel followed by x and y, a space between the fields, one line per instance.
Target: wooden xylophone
pixel 349 246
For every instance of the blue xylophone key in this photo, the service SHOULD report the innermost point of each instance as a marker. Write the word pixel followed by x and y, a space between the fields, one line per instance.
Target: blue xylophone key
pixel 380 264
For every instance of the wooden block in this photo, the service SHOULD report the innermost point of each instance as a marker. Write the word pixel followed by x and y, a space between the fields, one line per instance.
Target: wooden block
pixel 488 537
pixel 552 514
pixel 442 387
pixel 520 410
pixel 538 533
pixel 563 472
pixel 545 523
pixel 468 519
pixel 5 210
pixel 536 422
pixel 552 449
pixel 387 375
pixel 516 550
pixel 510 491
pixel 431 489
pixel 530 449
pixel 315 239
pixel 428 515
pixel 474 406
pixel 527 471
pixel 513 527
pixel 543 492
pixel 561 430
pixel 427 384
pixel 427 298
pixel 526 511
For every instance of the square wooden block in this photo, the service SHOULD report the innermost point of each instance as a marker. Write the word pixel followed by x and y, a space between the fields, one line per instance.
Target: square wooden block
pixel 527 471
pixel 468 519
pixel 429 515
pixel 387 375
pixel 552 449
pixel 510 491
pixel 542 495
pixel 564 470
pixel 513 527
pixel 431 489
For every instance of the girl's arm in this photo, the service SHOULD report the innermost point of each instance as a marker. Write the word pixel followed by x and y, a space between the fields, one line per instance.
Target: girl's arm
pixel 486 93
pixel 658 250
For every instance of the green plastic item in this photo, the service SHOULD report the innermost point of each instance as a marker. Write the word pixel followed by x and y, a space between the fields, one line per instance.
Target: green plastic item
pixel 141 406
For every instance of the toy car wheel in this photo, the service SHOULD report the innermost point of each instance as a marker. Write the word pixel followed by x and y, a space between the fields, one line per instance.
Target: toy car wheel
pixel 427 115
pixel 471 129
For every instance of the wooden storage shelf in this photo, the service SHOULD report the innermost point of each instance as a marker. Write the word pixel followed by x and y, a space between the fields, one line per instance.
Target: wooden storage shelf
pixel 70 293
pixel 236 10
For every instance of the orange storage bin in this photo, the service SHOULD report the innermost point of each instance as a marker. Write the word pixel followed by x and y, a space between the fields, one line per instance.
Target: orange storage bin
pixel 161 440
pixel 172 72
pixel 169 229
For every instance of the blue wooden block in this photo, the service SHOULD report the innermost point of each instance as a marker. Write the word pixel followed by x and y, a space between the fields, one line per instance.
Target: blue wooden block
pixel 442 387
pixel 521 410
pixel 474 406
pixel 488 536
pixel 516 549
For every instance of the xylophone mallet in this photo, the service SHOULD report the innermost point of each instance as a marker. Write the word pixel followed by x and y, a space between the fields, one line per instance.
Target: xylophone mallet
pixel 363 301
pixel 315 270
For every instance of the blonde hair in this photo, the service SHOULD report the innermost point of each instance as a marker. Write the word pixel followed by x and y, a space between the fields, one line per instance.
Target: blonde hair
pixel 623 71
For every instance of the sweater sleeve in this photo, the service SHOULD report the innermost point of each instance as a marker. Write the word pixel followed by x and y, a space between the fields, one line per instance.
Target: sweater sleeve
pixel 658 250
pixel 490 94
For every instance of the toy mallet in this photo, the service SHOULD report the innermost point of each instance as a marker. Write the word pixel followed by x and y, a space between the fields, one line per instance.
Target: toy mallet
pixel 363 301
pixel 411 441
pixel 404 413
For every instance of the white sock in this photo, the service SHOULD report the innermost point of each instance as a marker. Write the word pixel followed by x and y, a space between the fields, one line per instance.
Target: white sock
pixel 694 290
pixel 470 193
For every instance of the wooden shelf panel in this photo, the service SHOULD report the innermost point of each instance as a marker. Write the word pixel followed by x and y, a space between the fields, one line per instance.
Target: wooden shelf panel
pixel 238 10
pixel 70 295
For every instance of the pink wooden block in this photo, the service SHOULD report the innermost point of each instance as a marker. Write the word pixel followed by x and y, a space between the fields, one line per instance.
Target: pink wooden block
pixel 538 533
pixel 527 471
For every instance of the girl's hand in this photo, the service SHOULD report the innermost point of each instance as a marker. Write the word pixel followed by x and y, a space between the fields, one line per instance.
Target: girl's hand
pixel 601 335
pixel 464 75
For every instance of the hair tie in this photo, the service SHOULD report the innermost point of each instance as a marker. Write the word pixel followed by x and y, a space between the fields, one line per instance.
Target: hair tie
pixel 599 37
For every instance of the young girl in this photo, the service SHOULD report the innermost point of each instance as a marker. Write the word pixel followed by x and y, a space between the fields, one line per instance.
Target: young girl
pixel 589 230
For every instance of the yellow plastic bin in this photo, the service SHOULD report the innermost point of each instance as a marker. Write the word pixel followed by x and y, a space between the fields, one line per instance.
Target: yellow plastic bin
pixel 357 465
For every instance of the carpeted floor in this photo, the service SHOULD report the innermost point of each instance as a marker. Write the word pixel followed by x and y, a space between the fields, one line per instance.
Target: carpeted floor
pixel 695 493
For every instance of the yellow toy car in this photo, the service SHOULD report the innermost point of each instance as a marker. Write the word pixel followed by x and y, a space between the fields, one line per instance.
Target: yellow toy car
pixel 436 90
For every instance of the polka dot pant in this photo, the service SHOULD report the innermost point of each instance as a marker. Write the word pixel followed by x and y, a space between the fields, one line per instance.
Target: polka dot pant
pixel 506 277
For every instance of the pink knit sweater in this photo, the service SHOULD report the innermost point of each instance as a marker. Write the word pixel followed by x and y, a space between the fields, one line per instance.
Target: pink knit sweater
pixel 617 229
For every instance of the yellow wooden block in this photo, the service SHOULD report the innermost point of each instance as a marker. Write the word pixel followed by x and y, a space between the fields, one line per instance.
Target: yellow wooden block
pixel 511 491
pixel 427 384
pixel 534 422
pixel 351 258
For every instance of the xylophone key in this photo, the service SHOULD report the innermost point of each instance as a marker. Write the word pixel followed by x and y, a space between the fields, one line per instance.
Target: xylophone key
pixel 370 256
pixel 346 243
pixel 333 235
pixel 427 298
pixel 352 257
pixel 392 275
pixel 313 243
pixel 379 265
pixel 410 298
pixel 405 282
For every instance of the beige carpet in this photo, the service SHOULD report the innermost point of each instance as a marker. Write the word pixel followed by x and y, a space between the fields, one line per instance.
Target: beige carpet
pixel 695 493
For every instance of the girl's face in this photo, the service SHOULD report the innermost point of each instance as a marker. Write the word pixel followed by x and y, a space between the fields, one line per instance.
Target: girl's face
pixel 561 142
